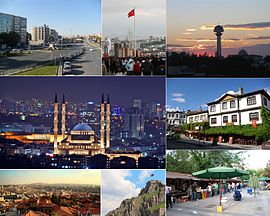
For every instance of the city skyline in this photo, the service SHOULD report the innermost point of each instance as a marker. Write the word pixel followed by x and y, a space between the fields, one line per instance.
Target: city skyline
pixel 243 29
pixel 59 17
pixel 16 177
pixel 78 90
pixel 183 93
pixel 150 18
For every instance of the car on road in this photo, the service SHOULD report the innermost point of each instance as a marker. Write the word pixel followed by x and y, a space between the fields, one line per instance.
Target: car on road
pixel 67 63
pixel 67 69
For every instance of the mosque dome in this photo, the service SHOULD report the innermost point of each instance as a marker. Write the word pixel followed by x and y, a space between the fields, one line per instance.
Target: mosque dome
pixel 82 127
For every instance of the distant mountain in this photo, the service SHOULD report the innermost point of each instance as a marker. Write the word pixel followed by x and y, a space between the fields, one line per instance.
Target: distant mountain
pixel 149 202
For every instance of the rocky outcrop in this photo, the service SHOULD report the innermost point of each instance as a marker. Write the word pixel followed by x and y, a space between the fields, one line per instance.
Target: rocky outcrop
pixel 149 202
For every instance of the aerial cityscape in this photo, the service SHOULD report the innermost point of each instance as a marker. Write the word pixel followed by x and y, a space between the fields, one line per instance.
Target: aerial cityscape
pixel 34 43
pixel 232 115
pixel 94 130
pixel 219 45
pixel 54 192
pixel 133 39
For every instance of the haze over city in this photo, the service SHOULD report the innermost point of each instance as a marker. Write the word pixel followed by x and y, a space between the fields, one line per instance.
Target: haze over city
pixel 150 18
pixel 50 177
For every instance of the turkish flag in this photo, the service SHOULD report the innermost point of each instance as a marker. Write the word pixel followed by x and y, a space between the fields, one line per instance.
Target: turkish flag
pixel 131 13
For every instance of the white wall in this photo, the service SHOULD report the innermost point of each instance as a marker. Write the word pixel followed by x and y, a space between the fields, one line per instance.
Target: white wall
pixel 245 117
pixel 243 102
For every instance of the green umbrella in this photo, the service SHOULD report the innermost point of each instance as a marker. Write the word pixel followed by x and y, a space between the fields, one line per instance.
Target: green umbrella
pixel 264 179
pixel 220 173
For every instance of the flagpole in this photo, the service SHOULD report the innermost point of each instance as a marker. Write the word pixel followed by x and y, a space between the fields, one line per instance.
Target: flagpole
pixel 134 31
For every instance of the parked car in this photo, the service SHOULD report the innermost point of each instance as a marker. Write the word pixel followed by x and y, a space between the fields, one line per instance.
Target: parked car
pixel 67 69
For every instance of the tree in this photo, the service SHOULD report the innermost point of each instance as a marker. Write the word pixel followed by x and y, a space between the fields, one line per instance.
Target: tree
pixel 11 38
pixel 192 161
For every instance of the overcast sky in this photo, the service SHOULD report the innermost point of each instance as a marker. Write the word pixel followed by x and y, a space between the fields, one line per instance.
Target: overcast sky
pixel 150 17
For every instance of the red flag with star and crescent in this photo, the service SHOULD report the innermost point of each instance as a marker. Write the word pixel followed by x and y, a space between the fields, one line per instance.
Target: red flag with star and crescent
pixel 131 13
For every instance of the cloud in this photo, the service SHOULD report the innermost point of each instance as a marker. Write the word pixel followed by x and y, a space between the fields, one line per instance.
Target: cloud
pixel 179 100
pixel 115 188
pixel 267 90
pixel 259 38
pixel 144 175
pixel 177 94
pixel 245 27
pixel 191 30
pixel 187 33
pixel 199 40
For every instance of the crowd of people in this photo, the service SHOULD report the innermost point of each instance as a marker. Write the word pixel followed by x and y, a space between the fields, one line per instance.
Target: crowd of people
pixel 141 66
pixel 212 189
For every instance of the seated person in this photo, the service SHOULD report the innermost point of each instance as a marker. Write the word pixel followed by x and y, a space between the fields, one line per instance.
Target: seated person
pixel 237 195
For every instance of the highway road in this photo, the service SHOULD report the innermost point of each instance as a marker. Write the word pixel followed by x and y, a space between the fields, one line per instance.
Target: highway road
pixel 88 63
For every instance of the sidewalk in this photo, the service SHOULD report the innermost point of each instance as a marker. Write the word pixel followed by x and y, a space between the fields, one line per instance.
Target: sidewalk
pixel 249 206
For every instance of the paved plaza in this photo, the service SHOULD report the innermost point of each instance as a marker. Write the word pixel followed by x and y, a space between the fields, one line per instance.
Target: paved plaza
pixel 249 206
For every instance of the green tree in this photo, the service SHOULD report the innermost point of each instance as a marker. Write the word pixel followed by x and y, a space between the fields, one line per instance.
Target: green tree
pixel 11 38
pixel 191 161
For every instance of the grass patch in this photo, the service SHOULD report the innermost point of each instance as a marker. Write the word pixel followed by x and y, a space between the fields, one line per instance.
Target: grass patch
pixel 159 206
pixel 41 71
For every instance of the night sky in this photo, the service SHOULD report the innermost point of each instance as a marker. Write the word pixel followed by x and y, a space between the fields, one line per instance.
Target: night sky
pixel 83 89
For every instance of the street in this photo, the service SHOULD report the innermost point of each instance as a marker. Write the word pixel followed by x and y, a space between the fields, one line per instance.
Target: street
pixel 186 143
pixel 87 64
pixel 249 206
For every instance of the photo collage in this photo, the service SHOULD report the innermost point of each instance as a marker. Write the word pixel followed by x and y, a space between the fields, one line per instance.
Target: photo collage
pixel 134 108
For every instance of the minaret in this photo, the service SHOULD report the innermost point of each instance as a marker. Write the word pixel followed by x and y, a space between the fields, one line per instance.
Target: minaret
pixel 63 121
pixel 102 116
pixel 108 122
pixel 55 124
pixel 219 31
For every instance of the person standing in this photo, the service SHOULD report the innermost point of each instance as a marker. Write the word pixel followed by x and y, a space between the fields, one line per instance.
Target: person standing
pixel 147 67
pixel 130 66
pixel 194 191
pixel 137 68
pixel 168 197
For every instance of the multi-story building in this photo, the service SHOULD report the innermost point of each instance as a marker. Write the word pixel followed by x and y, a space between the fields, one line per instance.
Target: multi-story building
pixel 12 23
pixel 197 116
pixel 134 123
pixel 41 34
pixel 175 117
pixel 238 108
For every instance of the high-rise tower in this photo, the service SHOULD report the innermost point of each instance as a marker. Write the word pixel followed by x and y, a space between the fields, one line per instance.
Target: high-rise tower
pixel 102 119
pixel 55 124
pixel 219 32
pixel 108 122
pixel 63 120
